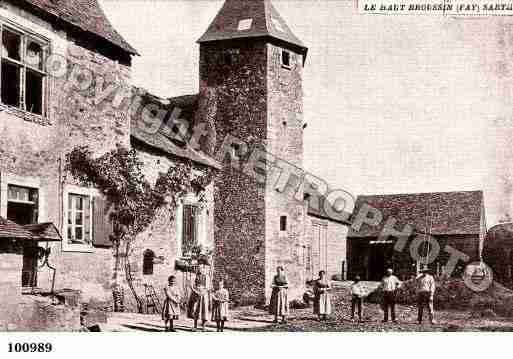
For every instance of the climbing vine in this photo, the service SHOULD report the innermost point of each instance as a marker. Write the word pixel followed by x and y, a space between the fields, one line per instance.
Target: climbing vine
pixel 119 176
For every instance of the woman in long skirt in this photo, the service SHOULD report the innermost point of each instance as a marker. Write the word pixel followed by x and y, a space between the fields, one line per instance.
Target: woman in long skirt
pixel 279 305
pixel 197 308
pixel 322 301
pixel 171 308
pixel 220 300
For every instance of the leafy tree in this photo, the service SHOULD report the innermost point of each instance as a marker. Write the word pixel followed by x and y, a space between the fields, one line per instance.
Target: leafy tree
pixel 119 176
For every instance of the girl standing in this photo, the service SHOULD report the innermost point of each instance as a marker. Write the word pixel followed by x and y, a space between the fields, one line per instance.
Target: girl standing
pixel 322 301
pixel 171 308
pixel 279 305
pixel 220 300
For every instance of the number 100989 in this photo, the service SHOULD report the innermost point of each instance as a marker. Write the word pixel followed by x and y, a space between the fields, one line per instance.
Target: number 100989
pixel 30 347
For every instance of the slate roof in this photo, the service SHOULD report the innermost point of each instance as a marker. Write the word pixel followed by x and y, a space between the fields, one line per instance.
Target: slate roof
pixel 158 140
pixel 45 232
pixel 440 213
pixel 84 14
pixel 9 229
pixel 265 22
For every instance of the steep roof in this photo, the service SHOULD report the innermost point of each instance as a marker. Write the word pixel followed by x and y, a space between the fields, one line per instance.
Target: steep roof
pixel 240 19
pixel 84 14
pixel 158 140
pixel 436 213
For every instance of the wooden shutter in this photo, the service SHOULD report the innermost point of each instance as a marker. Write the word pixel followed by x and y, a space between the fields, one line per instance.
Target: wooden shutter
pixel 189 228
pixel 102 226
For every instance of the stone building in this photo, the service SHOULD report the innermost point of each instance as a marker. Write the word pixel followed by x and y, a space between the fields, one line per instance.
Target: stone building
pixel 53 57
pixel 456 219
pixel 65 81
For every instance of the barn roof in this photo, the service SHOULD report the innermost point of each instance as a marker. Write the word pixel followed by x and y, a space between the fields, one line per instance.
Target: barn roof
pixel 84 14
pixel 439 213
pixel 239 19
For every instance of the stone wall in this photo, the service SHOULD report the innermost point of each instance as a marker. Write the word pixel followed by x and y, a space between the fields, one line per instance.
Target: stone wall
pixel 285 141
pixel 163 236
pixel 32 148
pixel 239 201
pixel 260 103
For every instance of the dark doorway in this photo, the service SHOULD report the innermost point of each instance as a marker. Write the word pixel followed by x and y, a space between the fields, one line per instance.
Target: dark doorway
pixel 380 258
pixel 22 208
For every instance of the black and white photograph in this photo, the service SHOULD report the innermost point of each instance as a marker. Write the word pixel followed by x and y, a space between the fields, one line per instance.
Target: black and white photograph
pixel 176 167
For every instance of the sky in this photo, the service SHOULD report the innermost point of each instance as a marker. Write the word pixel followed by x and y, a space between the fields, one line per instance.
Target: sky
pixel 394 104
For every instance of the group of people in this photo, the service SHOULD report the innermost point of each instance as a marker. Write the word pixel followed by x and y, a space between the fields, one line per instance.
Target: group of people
pixel 425 283
pixel 425 288
pixel 198 304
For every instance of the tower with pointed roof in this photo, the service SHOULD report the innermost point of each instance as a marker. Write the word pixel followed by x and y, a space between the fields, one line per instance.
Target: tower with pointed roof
pixel 252 61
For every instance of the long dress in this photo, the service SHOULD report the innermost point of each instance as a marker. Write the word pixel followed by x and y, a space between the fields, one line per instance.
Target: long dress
pixel 197 307
pixel 220 301
pixel 171 307
pixel 322 301
pixel 279 301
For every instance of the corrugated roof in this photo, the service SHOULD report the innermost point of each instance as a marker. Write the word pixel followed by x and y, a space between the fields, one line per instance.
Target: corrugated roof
pixel 85 14
pixel 240 19
pixel 436 213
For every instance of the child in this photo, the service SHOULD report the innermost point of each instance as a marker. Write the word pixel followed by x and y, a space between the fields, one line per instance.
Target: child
pixel 357 294
pixel 171 309
pixel 220 299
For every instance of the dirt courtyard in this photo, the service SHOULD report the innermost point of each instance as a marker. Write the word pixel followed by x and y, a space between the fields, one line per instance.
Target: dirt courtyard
pixel 249 319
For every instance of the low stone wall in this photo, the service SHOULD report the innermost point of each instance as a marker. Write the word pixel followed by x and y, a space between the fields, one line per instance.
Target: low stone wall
pixel 34 313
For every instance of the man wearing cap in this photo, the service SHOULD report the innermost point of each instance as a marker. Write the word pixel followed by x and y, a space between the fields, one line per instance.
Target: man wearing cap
pixel 425 294
pixel 389 285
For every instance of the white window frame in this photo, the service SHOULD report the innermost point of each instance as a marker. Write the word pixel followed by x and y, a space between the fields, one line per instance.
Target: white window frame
pixel 81 191
pixel 25 67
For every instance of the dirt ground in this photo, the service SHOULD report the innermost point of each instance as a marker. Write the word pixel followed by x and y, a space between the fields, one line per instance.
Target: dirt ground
pixel 249 319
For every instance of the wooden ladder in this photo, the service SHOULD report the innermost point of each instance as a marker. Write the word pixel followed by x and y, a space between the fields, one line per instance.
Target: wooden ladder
pixel 152 300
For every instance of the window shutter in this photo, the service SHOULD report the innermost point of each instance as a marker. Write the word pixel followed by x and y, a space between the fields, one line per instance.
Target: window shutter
pixel 189 228
pixel 102 226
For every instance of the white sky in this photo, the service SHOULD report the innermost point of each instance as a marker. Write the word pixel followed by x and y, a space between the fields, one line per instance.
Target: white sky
pixel 393 103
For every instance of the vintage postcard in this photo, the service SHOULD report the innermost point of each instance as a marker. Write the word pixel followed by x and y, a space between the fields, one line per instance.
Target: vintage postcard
pixel 255 166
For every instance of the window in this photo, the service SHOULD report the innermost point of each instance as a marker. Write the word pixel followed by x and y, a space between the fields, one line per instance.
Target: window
pixel 148 261
pixel 79 219
pixel 244 24
pixel 283 223
pixel 22 71
pixel 22 204
pixel 285 58
pixel 189 228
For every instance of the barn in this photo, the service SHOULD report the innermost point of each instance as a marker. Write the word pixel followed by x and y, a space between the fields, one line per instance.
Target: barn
pixel 455 219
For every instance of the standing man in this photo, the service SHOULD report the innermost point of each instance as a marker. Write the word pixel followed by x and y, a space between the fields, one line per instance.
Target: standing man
pixel 425 294
pixel 389 284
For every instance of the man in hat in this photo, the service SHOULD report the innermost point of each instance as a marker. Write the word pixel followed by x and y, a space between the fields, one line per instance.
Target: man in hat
pixel 425 293
pixel 389 284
